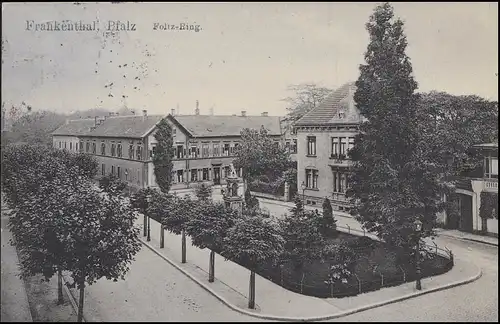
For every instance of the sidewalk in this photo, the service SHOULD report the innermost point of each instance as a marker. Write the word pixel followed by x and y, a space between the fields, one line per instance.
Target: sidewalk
pixel 15 307
pixel 275 302
pixel 468 236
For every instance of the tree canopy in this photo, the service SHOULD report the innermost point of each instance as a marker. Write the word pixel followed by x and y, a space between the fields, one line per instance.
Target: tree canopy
pixel 393 179
pixel 164 153
pixel 305 97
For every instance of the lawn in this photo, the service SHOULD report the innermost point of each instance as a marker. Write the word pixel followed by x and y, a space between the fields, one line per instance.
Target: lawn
pixel 372 255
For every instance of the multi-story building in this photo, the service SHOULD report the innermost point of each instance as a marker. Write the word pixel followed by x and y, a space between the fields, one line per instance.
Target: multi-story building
pixel 324 136
pixel 469 191
pixel 67 136
pixel 203 146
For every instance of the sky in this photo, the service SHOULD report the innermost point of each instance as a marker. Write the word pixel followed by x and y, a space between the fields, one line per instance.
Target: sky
pixel 243 57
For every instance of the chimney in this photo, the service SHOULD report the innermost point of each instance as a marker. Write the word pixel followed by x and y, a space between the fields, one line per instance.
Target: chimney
pixel 95 121
pixel 197 110
pixel 110 113
pixel 172 112
pixel 144 114
pixel 243 113
pixel 117 114
pixel 264 114
pixel 133 112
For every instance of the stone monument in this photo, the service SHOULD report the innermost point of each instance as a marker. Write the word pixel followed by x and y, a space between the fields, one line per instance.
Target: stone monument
pixel 232 198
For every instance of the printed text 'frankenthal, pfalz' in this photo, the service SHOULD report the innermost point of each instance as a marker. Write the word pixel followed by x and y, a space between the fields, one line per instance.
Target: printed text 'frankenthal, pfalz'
pixel 79 25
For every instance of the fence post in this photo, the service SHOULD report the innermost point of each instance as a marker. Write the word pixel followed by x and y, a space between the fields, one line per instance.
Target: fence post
pixel 364 233
pixel 359 283
pixel 348 229
pixel 436 247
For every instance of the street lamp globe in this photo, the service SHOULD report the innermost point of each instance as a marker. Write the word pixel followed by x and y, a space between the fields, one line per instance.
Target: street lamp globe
pixel 303 185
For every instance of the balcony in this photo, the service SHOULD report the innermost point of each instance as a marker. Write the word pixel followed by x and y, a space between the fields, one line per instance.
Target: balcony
pixel 338 160
pixel 491 185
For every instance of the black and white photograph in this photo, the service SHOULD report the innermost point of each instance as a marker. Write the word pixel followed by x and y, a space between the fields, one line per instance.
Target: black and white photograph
pixel 249 162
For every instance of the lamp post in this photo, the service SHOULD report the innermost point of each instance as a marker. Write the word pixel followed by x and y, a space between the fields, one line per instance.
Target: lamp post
pixel 148 199
pixel 303 186
pixel 418 230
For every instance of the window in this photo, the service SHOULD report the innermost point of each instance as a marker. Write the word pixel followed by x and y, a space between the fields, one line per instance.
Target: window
pixel 94 148
pixel 490 167
pixel 205 174
pixel 112 169
pixel 103 148
pixel 194 175
pixel 87 147
pixel 180 175
pixel 226 171
pixel 113 149
pixel 287 146
pixel 81 146
pixel 226 149
pixel 311 145
pixel 138 176
pixel 70 146
pixel 119 172
pixel 335 146
pixel 193 151
pixel 335 182
pixel 180 151
pixel 119 150
pixel 350 145
pixel 103 169
pixel 64 145
pixel 152 152
pixel 343 145
pixel 294 146
pixel 312 179
pixel 139 152
pixel 216 150
pixel 131 151
pixel 343 183
pixel 126 174
pixel 60 145
pixel 236 145
pixel 174 131
pixel 205 150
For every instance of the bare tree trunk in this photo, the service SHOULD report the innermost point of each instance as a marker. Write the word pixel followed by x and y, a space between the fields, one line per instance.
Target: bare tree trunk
pixel 145 225
pixel 251 295
pixel 162 237
pixel 60 298
pixel 211 267
pixel 80 303
pixel 183 238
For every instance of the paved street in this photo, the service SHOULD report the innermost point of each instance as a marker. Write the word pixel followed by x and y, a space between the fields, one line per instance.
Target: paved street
pixel 156 293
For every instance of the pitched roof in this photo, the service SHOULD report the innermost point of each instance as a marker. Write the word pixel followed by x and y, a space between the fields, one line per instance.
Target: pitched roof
pixel 75 127
pixel 125 126
pixel 327 112
pixel 216 126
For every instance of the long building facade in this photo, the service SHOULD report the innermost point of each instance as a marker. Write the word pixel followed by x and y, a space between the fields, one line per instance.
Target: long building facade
pixel 125 145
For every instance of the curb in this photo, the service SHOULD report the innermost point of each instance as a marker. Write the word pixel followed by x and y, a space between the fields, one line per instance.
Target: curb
pixel 468 239
pixel 316 318
pixel 72 299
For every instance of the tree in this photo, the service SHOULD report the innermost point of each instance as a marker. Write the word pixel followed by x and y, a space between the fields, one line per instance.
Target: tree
pixel 177 215
pixel 298 209
pixel 87 163
pixel 258 154
pixel 162 158
pixel 34 127
pixel 251 202
pixel 139 202
pixel 342 261
pixel 203 192
pixel 99 235
pixel 329 223
pixel 304 241
pixel 112 184
pixel 208 228
pixel 306 97
pixel 393 179
pixel 253 240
